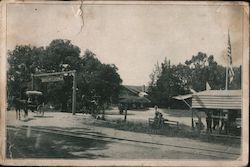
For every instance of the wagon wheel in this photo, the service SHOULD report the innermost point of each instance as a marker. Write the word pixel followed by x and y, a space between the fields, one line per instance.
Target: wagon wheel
pixel 40 110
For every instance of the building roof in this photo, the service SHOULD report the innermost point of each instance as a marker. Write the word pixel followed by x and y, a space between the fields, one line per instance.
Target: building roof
pixel 219 93
pixel 134 99
pixel 136 89
pixel 218 99
pixel 136 94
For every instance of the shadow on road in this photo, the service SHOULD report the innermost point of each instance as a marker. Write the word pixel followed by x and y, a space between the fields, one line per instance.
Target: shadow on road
pixel 27 119
pixel 26 143
pixel 39 116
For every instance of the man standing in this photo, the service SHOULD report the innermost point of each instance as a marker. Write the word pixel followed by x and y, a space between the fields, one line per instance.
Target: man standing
pixel 209 121
pixel 215 120
pixel 224 122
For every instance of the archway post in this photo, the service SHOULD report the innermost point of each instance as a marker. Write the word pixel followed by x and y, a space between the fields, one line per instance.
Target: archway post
pixel 74 93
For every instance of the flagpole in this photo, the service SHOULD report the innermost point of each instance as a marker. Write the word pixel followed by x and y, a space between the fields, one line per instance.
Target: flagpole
pixel 226 88
pixel 228 47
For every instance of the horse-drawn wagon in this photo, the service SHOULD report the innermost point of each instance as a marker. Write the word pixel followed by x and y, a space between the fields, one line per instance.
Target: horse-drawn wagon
pixel 33 102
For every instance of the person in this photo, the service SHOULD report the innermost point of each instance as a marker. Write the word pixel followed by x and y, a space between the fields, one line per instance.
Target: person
pixel 156 119
pixel 156 108
pixel 209 122
pixel 93 108
pixel 126 110
pixel 161 120
pixel 224 122
pixel 156 115
pixel 121 108
pixel 84 104
pixel 215 120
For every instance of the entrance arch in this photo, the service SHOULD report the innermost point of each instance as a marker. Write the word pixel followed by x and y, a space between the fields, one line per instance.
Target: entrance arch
pixel 55 77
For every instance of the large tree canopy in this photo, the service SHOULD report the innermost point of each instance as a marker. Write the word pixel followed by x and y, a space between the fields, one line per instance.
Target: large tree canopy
pixel 98 80
pixel 58 53
pixel 94 79
pixel 171 80
pixel 23 61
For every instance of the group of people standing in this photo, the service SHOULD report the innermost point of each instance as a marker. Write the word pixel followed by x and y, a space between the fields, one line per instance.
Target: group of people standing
pixel 122 107
pixel 215 121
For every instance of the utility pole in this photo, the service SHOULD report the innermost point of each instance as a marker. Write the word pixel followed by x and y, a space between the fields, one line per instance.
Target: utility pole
pixel 32 81
pixel 74 93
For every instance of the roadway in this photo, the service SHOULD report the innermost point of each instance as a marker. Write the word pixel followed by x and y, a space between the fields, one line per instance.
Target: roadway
pixel 63 135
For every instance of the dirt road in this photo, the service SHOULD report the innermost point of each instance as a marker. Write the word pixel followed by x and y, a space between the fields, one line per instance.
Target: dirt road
pixel 63 135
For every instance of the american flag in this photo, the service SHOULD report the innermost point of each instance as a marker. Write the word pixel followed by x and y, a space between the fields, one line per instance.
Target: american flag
pixel 230 62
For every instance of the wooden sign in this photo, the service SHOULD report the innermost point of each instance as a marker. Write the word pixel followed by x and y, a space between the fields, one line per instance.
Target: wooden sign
pixel 54 78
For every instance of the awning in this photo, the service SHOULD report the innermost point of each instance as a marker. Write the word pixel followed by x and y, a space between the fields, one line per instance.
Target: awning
pixel 142 94
pixel 182 97
pixel 218 99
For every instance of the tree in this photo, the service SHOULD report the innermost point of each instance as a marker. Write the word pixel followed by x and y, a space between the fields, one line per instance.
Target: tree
pixel 206 70
pixel 236 83
pixel 94 79
pixel 182 73
pixel 154 76
pixel 60 56
pixel 98 80
pixel 169 84
pixel 22 61
pixel 199 71
pixel 195 73
pixel 59 53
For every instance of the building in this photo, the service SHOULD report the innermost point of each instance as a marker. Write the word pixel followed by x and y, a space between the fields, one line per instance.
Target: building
pixel 223 105
pixel 134 97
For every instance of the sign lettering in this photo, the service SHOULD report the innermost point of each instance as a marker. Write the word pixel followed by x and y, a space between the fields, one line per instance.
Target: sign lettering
pixel 52 78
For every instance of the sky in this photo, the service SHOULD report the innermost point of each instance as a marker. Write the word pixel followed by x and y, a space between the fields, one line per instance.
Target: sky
pixel 133 37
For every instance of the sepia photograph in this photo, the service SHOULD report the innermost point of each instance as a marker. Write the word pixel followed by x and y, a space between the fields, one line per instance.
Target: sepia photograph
pixel 131 83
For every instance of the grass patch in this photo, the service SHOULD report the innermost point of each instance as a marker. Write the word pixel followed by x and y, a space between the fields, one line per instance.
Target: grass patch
pixel 182 131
